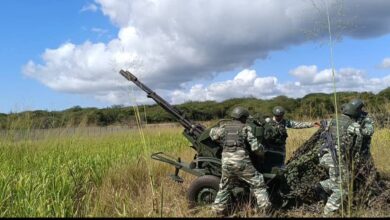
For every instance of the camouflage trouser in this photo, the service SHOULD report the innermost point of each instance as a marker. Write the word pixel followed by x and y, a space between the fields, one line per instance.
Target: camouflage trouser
pixel 237 165
pixel 332 185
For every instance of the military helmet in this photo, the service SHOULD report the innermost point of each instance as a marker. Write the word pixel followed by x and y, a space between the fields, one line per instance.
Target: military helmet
pixel 350 110
pixel 358 103
pixel 239 112
pixel 278 111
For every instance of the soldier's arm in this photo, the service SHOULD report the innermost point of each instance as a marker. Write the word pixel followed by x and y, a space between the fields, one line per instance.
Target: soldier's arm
pixel 297 125
pixel 216 133
pixel 354 129
pixel 252 140
pixel 367 128
pixel 356 139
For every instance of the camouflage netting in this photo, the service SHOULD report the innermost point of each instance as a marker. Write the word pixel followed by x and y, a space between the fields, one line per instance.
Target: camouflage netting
pixel 303 172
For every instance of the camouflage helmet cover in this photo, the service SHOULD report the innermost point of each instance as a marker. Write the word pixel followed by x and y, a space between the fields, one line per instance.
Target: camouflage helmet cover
pixel 278 111
pixel 239 112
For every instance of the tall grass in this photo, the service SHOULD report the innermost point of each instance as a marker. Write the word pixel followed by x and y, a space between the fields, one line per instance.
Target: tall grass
pixel 78 174
pixel 62 175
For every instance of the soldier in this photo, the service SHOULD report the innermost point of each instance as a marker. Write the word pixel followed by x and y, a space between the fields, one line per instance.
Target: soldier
pixel 279 143
pixel 336 159
pixel 238 142
pixel 364 167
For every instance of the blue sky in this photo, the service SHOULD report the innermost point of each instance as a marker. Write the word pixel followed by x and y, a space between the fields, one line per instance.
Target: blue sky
pixel 58 54
pixel 29 27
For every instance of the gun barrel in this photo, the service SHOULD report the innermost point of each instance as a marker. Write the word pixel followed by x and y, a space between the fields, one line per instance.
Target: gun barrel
pixel 190 126
pixel 128 75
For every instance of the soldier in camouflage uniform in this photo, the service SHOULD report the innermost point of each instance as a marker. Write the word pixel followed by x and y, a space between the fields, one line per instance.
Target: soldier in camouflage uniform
pixel 337 159
pixel 279 144
pixel 238 142
pixel 364 168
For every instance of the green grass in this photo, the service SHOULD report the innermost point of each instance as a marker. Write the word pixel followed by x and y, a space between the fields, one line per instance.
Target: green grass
pixel 60 175
pixel 103 174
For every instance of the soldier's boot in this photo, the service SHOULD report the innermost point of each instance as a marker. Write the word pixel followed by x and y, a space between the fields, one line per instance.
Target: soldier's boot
pixel 321 192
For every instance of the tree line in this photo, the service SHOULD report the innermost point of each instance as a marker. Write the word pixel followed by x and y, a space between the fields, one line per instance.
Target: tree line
pixel 310 107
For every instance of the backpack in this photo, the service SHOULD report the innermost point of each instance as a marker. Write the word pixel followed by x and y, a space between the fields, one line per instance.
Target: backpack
pixel 264 131
pixel 277 132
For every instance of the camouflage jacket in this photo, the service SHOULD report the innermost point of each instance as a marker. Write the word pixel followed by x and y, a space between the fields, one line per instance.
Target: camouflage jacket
pixel 218 133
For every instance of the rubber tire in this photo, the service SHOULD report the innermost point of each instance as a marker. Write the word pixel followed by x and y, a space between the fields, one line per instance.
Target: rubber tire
pixel 199 184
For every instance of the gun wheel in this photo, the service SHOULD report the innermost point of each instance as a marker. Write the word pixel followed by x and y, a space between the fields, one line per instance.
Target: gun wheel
pixel 203 190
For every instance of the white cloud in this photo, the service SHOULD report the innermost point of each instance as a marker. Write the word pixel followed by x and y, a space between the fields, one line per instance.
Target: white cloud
pixel 89 7
pixel 266 85
pixel 386 62
pixel 309 75
pixel 245 84
pixel 347 79
pixel 168 43
pixel 305 74
pixel 87 68
pixel 245 77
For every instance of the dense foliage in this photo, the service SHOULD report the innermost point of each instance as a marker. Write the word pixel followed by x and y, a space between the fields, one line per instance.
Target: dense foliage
pixel 312 106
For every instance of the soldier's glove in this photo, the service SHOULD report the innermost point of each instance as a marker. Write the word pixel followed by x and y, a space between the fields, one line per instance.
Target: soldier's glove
pixel 354 129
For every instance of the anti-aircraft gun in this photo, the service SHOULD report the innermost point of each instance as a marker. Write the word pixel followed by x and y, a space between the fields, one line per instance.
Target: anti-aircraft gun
pixel 206 164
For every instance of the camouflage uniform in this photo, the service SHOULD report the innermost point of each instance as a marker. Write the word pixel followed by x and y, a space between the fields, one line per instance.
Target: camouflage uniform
pixel 236 163
pixel 332 185
pixel 338 167
pixel 282 126
pixel 367 130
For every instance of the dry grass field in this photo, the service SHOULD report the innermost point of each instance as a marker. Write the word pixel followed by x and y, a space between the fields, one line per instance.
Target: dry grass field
pixel 101 173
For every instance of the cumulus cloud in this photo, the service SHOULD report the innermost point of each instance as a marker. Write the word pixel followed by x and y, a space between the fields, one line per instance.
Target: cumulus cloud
pixel 309 75
pixel 248 84
pixel 245 84
pixel 305 74
pixel 168 43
